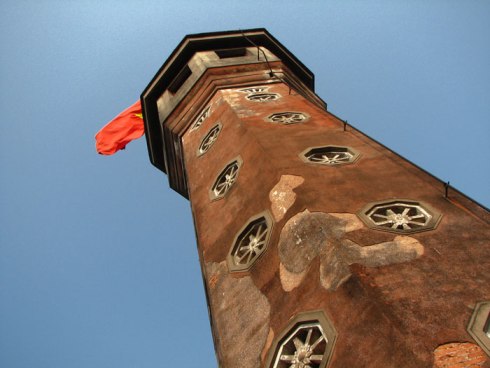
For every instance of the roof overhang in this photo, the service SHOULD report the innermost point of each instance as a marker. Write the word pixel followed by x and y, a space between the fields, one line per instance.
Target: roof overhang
pixel 179 58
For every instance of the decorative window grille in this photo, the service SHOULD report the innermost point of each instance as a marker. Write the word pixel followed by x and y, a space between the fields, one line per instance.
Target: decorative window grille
pixel 250 243
pixel 307 342
pixel 252 90
pixel 209 139
pixel 263 97
pixel 202 117
pixel 226 179
pixel 305 346
pixel 329 155
pixel 479 326
pixel 287 118
pixel 400 216
pixel 259 94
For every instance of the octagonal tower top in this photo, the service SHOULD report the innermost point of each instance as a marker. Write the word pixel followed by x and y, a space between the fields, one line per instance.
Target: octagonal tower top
pixel 182 75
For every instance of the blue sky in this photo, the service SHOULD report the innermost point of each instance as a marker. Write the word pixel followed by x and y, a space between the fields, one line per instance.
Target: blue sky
pixel 98 262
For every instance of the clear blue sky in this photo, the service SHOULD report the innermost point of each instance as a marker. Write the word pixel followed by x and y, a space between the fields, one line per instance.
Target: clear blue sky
pixel 98 262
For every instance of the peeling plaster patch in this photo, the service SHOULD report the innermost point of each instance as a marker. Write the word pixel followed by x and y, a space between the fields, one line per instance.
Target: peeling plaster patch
pixel 308 235
pixel 290 280
pixel 282 196
pixel 241 317
pixel 334 271
pixel 235 99
pixel 401 249
pixel 268 343
pixel 352 222
pixel 305 235
pixel 459 355
pixel 212 281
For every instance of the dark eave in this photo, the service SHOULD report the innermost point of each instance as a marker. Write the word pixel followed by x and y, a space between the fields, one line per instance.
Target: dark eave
pixel 181 56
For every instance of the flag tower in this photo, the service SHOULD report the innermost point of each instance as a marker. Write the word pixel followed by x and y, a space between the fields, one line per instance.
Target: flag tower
pixel 319 246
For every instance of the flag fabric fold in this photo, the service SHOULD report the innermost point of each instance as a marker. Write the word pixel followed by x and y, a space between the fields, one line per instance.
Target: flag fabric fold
pixel 124 128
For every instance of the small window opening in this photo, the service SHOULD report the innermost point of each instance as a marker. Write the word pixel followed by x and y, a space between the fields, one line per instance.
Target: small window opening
pixel 179 80
pixel 230 53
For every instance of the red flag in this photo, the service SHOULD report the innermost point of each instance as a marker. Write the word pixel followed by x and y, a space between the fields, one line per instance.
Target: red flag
pixel 121 130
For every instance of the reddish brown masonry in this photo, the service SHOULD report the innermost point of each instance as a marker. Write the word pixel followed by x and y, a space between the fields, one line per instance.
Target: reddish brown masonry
pixel 397 292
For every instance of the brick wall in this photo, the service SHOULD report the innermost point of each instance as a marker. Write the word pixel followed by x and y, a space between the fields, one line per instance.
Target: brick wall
pixel 459 355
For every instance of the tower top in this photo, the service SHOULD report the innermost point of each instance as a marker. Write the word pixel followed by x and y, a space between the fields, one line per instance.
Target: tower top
pixel 181 72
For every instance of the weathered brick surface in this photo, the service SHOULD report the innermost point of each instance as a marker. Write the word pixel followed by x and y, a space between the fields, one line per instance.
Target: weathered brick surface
pixel 459 355
pixel 392 315
pixel 386 314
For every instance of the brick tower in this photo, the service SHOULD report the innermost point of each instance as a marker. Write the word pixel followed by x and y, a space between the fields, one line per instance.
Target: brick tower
pixel 319 246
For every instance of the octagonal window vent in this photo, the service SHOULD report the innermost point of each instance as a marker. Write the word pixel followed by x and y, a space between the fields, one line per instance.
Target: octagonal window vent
pixel 201 118
pixel 209 139
pixel 252 90
pixel 250 243
pixel 226 179
pixel 479 326
pixel 400 216
pixel 263 97
pixel 329 155
pixel 308 341
pixel 288 118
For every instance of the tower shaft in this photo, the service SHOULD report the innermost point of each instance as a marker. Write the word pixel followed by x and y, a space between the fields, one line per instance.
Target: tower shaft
pixel 318 245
